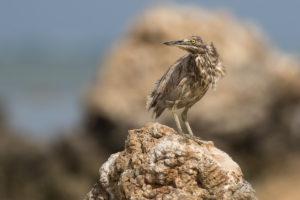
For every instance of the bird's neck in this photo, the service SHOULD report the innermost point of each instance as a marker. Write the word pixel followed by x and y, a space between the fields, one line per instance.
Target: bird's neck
pixel 206 61
pixel 210 67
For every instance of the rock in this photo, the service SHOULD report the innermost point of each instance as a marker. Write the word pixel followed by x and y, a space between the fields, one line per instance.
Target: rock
pixel 257 100
pixel 280 182
pixel 3 120
pixel 158 163
pixel 35 169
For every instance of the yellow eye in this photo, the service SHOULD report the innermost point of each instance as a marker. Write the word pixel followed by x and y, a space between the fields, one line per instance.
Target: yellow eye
pixel 193 41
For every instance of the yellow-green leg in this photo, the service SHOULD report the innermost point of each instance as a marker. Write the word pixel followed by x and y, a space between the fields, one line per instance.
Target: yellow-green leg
pixel 174 111
pixel 184 119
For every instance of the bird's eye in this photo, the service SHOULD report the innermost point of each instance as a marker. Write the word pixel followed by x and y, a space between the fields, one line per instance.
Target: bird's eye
pixel 193 41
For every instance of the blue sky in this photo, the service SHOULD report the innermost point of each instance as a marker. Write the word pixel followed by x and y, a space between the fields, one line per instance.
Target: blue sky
pixel 97 21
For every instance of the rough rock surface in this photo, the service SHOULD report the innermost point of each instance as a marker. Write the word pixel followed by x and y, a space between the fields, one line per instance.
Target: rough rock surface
pixel 158 163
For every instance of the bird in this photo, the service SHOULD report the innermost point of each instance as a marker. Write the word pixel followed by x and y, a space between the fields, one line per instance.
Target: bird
pixel 187 80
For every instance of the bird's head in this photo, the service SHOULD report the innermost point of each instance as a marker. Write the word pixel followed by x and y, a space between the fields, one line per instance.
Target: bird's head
pixel 192 44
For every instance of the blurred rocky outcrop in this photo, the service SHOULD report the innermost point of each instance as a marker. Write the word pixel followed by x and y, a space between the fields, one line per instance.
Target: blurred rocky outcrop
pixel 35 169
pixel 280 182
pixel 31 169
pixel 2 116
pixel 255 108
pixel 158 163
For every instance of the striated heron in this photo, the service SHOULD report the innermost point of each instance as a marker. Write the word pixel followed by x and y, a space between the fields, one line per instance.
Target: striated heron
pixel 187 80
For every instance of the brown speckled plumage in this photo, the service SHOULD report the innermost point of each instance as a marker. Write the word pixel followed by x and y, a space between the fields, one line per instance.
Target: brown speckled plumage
pixel 187 80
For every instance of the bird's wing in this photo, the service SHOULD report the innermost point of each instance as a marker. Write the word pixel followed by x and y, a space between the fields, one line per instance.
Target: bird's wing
pixel 166 87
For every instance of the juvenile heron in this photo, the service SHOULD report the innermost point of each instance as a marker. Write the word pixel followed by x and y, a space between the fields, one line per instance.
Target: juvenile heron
pixel 187 80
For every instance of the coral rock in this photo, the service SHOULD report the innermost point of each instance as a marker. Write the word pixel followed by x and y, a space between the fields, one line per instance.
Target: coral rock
pixel 158 163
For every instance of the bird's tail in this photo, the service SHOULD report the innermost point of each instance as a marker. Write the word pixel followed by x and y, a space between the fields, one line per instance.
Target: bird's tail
pixel 152 103
pixel 158 111
pixel 149 102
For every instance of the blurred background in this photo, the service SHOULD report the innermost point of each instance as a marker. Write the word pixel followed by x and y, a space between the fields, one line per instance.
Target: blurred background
pixel 74 76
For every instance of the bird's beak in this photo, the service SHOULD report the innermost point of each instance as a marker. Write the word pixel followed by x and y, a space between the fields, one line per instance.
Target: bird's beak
pixel 176 43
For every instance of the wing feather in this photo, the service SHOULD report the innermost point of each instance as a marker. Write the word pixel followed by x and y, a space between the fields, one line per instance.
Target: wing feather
pixel 165 88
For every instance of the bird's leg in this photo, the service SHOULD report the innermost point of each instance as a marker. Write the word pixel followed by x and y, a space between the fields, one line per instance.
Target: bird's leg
pixel 174 111
pixel 184 119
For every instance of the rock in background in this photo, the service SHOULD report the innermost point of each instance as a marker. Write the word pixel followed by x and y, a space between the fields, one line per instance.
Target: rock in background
pixel 64 169
pixel 158 163
pixel 255 111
